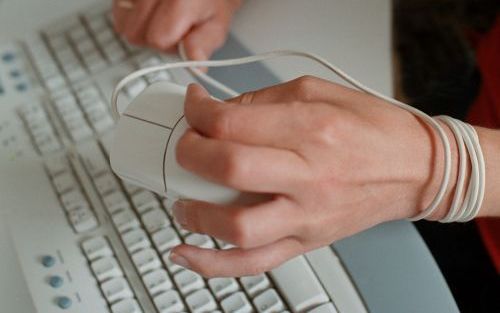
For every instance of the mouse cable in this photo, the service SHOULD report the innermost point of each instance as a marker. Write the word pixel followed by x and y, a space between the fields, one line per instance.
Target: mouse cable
pixel 463 208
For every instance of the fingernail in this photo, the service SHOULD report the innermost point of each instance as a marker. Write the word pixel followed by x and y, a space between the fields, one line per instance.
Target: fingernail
pixel 179 213
pixel 179 260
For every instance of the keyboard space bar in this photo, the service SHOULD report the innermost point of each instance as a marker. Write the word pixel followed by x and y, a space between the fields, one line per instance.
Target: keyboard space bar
pixel 298 283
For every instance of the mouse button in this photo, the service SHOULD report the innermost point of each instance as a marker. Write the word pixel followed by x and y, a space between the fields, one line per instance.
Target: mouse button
pixel 138 152
pixel 161 104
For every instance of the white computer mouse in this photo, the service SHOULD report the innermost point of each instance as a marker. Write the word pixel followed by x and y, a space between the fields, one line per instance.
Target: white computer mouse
pixel 144 142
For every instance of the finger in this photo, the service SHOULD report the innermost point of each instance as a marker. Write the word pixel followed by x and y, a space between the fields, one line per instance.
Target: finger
pixel 173 19
pixel 275 125
pixel 236 262
pixel 242 167
pixel 138 19
pixel 245 227
pixel 122 9
pixel 204 39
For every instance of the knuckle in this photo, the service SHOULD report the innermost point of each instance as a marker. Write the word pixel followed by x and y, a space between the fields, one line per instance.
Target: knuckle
pixel 304 86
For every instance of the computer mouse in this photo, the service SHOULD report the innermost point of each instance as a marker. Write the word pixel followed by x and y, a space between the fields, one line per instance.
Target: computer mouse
pixel 143 148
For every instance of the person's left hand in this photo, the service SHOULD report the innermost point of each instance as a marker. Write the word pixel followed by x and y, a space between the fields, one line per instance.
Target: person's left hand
pixel 334 161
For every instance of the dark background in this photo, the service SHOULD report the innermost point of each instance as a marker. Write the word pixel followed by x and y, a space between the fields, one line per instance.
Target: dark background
pixel 437 72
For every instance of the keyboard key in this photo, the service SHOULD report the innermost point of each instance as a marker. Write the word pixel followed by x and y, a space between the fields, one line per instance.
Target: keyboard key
pixel 97 23
pixel 115 289
pixel 171 266
pixel 199 240
pixel 114 51
pixel 145 201
pixel 165 239
pixel 299 285
pixel 106 268
pixel 106 36
pixel 101 123
pixel 96 247
pixel 126 306
pixel 55 82
pixel 56 165
pixel 155 219
pixel 79 130
pixel 146 260
pixel 115 202
pixel 125 220
pixel 269 301
pixel 131 188
pixel 341 289
pixel 73 199
pixel 324 308
pixel 135 87
pixel 255 284
pixel 106 184
pixel 157 281
pixel 223 286
pixel 93 159
pixel 64 182
pixel 201 301
pixel 188 281
pixel 183 232
pixel 94 62
pixel 82 219
pixel 158 76
pixel 135 240
pixel 236 303
pixel 169 302
pixel 224 245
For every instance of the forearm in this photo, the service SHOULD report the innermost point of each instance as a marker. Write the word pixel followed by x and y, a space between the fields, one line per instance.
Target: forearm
pixel 490 144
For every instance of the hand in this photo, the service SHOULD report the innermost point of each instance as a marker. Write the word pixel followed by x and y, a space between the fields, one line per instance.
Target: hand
pixel 162 24
pixel 334 161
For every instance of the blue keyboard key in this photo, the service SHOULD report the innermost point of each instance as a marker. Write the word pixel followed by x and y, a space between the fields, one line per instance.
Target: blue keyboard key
pixel 15 73
pixel 21 87
pixel 56 281
pixel 48 261
pixel 64 302
pixel 8 57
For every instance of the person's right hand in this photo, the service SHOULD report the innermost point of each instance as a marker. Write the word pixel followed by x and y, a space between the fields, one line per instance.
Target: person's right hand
pixel 161 24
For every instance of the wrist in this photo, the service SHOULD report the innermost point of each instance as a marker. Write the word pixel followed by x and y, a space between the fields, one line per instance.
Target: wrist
pixel 429 173
pixel 490 145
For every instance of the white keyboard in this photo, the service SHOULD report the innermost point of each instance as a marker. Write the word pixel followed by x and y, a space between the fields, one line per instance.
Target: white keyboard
pixel 124 233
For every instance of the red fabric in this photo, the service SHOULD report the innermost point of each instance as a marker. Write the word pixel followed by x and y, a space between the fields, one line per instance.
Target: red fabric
pixel 486 112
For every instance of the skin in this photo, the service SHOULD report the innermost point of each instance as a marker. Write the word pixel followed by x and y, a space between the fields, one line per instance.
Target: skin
pixel 331 161
pixel 161 24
